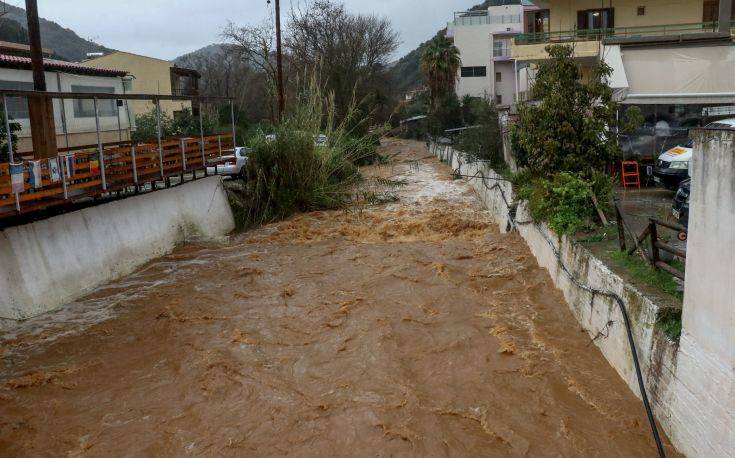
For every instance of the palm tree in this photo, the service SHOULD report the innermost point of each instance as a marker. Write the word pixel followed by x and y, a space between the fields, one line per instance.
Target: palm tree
pixel 440 63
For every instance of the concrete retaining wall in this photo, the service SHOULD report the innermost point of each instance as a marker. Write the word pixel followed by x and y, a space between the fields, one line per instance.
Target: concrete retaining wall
pixel 704 398
pixel 598 314
pixel 49 263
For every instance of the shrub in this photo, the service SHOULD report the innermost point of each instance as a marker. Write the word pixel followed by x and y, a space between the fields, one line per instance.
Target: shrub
pixel 563 201
pixel 183 124
pixel 484 140
pixel 290 174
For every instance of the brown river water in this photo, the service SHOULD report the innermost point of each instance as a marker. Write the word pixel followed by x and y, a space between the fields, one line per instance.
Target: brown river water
pixel 411 328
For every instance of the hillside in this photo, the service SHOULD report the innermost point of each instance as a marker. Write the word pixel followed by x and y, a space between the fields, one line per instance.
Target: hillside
pixel 11 31
pixel 406 73
pixel 66 43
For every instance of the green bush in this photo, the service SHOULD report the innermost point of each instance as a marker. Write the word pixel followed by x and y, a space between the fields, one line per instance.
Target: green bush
pixel 484 141
pixel 291 174
pixel 563 201
pixel 183 124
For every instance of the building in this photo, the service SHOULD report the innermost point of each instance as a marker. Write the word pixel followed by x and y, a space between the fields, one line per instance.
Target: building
pixel 483 38
pixel 74 119
pixel 671 58
pixel 152 76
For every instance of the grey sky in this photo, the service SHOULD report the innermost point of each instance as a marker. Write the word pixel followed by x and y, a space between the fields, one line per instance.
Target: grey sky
pixel 169 28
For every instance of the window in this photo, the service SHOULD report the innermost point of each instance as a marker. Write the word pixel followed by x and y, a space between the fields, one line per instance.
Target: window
pixel 501 47
pixel 84 108
pixel 537 21
pixel 596 19
pixel 641 11
pixel 498 77
pixel 470 72
pixel 17 106
pixel 711 11
pixel 498 99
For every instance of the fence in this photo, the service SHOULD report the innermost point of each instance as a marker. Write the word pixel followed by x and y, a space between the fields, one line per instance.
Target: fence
pixel 657 244
pixel 85 172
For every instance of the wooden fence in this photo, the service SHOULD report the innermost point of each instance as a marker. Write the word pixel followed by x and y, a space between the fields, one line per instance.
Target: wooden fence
pixel 83 173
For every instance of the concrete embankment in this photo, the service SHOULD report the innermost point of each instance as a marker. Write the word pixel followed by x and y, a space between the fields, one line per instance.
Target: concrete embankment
pixel 589 288
pixel 48 263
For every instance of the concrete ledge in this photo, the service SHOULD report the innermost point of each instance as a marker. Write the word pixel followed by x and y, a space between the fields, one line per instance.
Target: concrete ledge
pixel 49 263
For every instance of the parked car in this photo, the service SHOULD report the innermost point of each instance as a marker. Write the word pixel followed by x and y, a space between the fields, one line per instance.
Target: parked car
pixel 672 166
pixel 680 207
pixel 232 165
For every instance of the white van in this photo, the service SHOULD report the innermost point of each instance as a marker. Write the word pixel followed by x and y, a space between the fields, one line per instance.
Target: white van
pixel 672 166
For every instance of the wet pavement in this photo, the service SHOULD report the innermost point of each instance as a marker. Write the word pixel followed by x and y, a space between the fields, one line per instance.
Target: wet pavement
pixel 412 328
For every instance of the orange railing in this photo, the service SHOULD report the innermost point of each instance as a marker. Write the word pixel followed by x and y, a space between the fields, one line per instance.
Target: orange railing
pixel 82 174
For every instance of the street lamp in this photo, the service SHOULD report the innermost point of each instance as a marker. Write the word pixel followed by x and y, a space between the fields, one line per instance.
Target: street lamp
pixel 279 61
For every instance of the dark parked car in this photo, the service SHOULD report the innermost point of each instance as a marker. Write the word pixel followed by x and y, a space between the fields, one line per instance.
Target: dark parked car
pixel 680 208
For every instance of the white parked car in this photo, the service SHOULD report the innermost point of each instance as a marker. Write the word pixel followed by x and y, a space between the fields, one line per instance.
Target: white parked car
pixel 232 165
pixel 672 166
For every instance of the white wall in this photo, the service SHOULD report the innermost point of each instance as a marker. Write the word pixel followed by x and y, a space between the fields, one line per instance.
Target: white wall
pixel 475 44
pixel 704 401
pixel 76 125
pixel 49 263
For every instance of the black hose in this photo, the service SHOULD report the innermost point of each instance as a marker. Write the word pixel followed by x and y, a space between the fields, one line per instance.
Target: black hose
pixel 621 304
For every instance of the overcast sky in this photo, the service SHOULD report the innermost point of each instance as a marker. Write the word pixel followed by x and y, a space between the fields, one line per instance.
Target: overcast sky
pixel 169 28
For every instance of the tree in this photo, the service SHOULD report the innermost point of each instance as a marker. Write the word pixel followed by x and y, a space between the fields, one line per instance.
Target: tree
pixel 255 45
pixel 440 63
pixel 348 52
pixel 572 128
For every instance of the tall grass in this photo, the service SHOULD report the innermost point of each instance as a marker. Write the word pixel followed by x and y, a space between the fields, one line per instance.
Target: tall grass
pixel 291 174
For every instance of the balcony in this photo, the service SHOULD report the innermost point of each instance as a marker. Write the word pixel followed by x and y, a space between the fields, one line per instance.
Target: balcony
pixel 622 33
pixel 466 18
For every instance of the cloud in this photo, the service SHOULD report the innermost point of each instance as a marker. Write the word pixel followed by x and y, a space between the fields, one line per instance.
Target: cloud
pixel 169 28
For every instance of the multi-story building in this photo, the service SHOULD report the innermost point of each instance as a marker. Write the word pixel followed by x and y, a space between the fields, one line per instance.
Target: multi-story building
pixel 483 38
pixel 152 76
pixel 674 59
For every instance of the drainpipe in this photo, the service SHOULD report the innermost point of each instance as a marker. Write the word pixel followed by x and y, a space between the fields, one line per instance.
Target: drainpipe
pixel 725 16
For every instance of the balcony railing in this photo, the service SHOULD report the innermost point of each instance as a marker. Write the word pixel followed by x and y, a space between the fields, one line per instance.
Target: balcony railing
pixel 617 32
pixel 484 18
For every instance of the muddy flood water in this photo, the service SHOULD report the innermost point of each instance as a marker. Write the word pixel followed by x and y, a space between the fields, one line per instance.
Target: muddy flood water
pixel 411 328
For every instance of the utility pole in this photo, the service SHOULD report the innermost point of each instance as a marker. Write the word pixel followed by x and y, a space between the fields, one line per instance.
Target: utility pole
pixel 41 109
pixel 279 61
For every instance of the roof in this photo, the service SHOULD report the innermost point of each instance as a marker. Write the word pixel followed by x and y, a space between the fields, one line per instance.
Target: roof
pixel 8 46
pixel 24 63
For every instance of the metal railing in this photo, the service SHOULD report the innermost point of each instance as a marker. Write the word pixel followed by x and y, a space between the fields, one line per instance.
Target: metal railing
pixel 616 32
pixel 484 18
pixel 29 183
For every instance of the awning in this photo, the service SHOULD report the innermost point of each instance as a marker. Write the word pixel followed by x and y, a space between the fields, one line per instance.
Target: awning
pixel 618 79
pixel 680 75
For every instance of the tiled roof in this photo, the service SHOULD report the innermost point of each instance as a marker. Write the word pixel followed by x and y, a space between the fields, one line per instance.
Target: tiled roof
pixel 58 65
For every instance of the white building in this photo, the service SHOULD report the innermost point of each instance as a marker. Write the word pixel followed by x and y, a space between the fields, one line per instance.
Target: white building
pixel 484 38
pixel 75 119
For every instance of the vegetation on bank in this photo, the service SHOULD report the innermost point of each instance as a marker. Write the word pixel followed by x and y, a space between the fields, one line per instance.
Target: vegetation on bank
pixel 290 172
pixel 565 143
